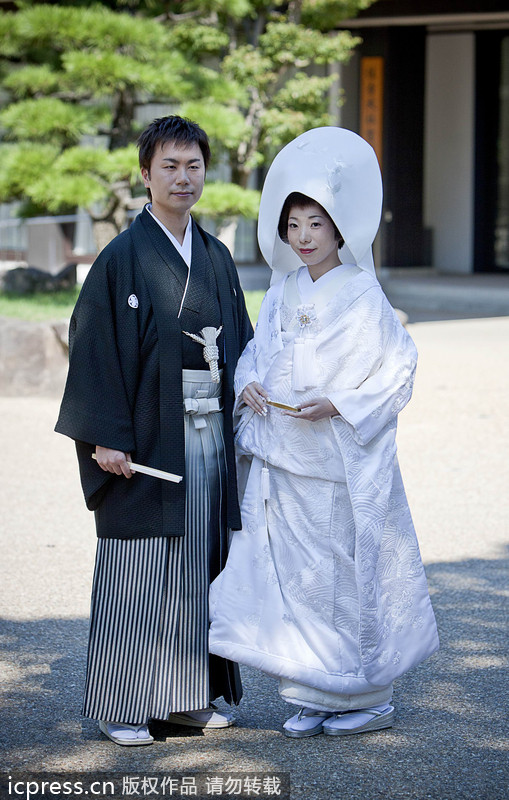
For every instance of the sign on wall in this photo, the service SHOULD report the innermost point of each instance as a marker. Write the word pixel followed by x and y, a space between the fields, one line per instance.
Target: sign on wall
pixel 371 102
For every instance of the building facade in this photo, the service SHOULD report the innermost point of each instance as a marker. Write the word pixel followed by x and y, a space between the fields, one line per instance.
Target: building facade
pixel 429 88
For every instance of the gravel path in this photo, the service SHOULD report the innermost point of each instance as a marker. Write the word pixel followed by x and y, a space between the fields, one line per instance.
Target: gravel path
pixel 450 739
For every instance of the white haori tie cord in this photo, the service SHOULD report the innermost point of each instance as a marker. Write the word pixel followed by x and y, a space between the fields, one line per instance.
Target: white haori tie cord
pixel 207 338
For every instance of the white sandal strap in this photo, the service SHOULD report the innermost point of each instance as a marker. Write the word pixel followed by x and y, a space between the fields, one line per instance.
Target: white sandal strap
pixel 127 725
pixel 373 711
pixel 312 712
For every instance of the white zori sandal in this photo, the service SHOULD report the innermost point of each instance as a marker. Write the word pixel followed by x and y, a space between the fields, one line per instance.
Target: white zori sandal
pixel 308 722
pixel 126 735
pixel 210 717
pixel 361 721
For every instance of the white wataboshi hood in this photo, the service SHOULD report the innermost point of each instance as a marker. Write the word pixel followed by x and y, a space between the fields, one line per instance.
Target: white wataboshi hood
pixel 340 171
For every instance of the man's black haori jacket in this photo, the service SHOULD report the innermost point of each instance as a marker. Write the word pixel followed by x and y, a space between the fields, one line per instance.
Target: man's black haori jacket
pixel 124 386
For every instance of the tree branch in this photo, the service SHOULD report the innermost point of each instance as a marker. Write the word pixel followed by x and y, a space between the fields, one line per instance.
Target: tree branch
pixel 295 11
pixel 246 149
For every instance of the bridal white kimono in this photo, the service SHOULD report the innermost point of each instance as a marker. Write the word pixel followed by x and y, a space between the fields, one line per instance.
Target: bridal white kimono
pixel 324 587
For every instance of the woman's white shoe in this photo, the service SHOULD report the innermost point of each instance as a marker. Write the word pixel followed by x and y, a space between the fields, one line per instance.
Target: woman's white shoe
pixel 308 722
pixel 126 735
pixel 361 721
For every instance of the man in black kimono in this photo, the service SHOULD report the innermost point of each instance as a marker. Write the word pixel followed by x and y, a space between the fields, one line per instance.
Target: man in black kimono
pixel 141 388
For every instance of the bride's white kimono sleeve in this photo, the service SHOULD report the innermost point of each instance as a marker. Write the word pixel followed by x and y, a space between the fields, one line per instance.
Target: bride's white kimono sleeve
pixel 397 627
pixel 386 354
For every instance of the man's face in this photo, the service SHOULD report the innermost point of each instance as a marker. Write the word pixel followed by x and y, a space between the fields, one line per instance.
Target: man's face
pixel 175 178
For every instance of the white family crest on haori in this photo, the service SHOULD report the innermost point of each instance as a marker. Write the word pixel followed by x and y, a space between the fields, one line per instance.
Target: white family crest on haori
pixel 132 300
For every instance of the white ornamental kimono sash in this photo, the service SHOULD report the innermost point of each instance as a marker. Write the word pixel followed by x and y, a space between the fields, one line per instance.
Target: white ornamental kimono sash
pixel 304 375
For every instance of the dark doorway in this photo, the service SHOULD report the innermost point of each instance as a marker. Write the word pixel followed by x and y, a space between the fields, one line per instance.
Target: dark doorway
pixel 402 236
pixel 491 242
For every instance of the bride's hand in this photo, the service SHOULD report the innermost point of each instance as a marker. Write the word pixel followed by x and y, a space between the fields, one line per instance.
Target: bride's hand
pixel 314 410
pixel 255 396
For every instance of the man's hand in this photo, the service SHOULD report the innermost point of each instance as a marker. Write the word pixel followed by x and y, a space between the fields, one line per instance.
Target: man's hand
pixel 254 396
pixel 314 410
pixel 113 461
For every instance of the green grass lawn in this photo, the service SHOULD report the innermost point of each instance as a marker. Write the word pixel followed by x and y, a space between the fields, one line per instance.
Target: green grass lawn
pixel 39 307
pixel 253 303
pixel 49 306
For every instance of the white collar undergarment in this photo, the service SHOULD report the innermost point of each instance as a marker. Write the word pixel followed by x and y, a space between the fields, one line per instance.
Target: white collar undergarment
pixel 184 249
pixel 320 291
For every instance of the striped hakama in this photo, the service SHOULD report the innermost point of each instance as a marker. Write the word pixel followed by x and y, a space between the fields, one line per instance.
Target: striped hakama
pixel 148 648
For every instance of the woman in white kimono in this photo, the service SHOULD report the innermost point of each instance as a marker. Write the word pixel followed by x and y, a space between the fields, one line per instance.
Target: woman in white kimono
pixel 324 587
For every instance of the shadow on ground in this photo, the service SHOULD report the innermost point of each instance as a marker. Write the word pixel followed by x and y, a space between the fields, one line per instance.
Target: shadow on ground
pixel 449 741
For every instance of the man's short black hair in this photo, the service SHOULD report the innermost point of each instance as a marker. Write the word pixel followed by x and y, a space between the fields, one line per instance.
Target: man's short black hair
pixel 303 201
pixel 171 129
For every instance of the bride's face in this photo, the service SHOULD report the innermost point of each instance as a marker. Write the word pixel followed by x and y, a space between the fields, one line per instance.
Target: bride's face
pixel 312 236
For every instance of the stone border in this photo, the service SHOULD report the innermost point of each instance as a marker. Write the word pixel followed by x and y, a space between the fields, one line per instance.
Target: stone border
pixel 33 357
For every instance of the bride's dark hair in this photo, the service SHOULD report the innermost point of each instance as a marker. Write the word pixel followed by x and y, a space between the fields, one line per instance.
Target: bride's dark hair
pixel 302 201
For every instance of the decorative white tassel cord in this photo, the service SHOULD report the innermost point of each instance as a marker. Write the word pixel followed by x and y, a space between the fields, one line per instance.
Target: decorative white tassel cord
pixel 265 483
pixel 304 373
pixel 207 338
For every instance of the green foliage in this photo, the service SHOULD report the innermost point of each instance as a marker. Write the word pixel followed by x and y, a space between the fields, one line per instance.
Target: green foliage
pixel 282 127
pixel 108 74
pixel 86 173
pixel 197 40
pixel 33 80
pixel 74 73
pixel 21 165
pixel 224 9
pixel 250 68
pixel 61 195
pixel 253 73
pixel 226 200
pixel 212 118
pixel 277 72
pixel 36 120
pixel 291 44
pixel 303 93
pixel 327 14
pixel 45 29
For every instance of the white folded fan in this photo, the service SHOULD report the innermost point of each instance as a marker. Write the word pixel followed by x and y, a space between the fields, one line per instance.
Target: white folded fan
pixel 156 473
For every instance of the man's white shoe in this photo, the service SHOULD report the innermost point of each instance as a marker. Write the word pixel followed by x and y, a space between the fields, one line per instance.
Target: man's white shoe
pixel 209 717
pixel 361 721
pixel 308 722
pixel 126 735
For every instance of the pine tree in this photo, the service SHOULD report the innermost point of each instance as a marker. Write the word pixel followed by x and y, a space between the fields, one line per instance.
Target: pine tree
pixel 76 81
